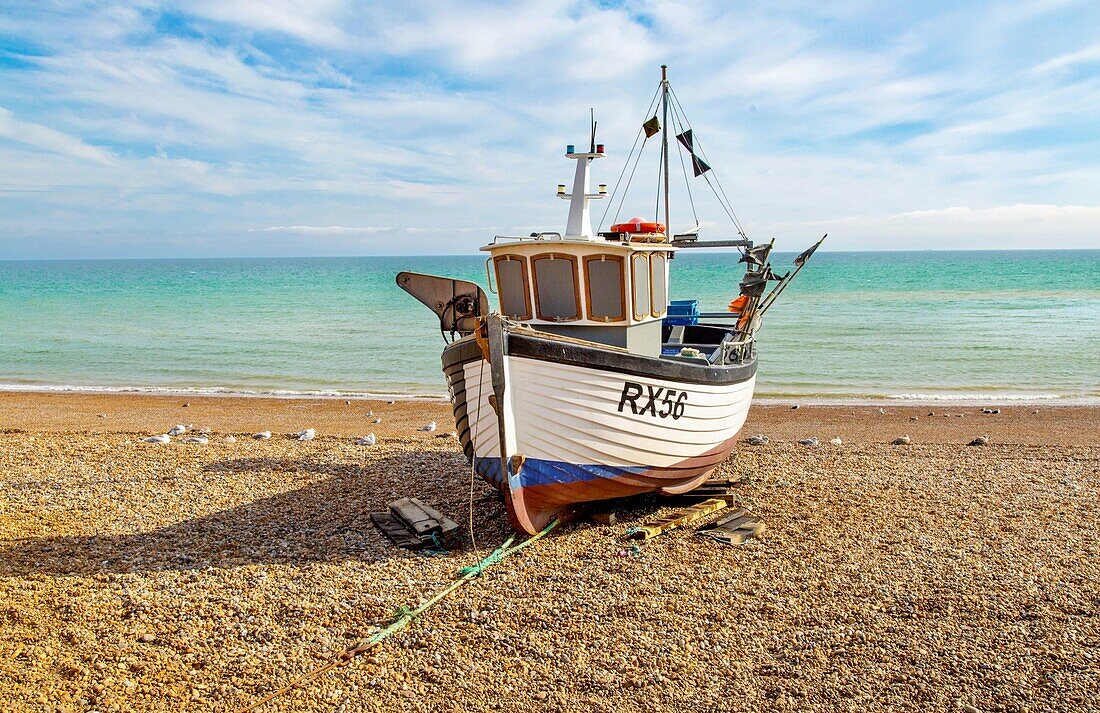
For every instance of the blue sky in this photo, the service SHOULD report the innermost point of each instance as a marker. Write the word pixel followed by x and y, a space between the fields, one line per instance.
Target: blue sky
pixel 331 127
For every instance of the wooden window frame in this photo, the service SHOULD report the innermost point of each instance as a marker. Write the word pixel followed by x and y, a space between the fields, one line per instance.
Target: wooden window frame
pixel 654 309
pixel 634 286
pixel 605 257
pixel 526 282
pixel 576 285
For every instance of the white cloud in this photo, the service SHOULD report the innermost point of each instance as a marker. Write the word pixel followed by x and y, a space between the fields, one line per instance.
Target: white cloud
pixel 317 117
pixel 1022 226
pixel 323 229
pixel 47 139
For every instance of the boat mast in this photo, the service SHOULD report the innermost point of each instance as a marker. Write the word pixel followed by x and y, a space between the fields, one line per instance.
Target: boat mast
pixel 664 140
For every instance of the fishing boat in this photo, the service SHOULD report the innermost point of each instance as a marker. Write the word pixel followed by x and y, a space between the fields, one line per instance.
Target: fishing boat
pixel 586 383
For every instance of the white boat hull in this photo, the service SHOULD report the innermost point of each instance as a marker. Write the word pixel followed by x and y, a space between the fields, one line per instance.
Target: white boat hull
pixel 555 427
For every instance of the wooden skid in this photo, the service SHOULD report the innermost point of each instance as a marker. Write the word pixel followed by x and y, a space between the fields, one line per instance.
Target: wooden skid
pixel 733 529
pixel 411 524
pixel 395 530
pixel 676 519
pixel 721 488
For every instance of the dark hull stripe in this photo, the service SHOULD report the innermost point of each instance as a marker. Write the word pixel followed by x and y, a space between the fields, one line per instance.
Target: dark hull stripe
pixel 531 347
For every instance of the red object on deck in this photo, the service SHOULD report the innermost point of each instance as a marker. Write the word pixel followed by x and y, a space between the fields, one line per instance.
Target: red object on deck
pixel 637 225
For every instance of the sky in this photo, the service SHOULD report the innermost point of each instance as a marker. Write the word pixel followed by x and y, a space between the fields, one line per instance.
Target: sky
pixel 339 127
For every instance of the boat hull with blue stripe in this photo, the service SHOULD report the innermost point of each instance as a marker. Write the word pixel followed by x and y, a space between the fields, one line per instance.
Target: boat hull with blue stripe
pixel 555 423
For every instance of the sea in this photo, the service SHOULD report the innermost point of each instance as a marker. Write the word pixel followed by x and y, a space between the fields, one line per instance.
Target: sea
pixel 976 326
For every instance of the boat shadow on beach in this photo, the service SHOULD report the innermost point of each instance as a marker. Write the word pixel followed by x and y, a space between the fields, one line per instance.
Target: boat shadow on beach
pixel 327 520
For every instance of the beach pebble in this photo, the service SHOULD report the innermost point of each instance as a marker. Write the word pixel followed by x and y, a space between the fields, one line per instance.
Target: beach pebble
pixel 980 441
pixel 307 435
pixel 262 435
pixel 811 441
pixel 185 405
pixel 178 430
pixel 914 418
pixel 429 426
pixel 147 638
pixel 901 441
pixel 162 438
pixel 758 440
pixel 836 441
pixel 368 440
pixel 201 440
pixel 230 439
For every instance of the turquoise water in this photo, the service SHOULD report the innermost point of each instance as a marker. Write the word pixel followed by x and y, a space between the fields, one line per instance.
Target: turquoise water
pixel 990 325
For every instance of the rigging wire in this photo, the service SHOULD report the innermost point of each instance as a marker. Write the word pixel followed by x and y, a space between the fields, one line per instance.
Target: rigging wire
pixel 683 165
pixel 618 181
pixel 660 177
pixel 629 179
pixel 723 198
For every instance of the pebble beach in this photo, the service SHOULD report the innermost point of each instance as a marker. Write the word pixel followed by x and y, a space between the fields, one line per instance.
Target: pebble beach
pixel 933 576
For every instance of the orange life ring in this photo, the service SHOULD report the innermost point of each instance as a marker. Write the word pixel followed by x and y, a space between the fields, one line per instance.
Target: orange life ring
pixel 637 225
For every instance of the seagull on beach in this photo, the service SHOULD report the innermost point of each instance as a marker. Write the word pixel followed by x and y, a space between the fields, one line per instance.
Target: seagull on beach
pixel 836 441
pixel 367 440
pixel 162 438
pixel 178 430
pixel 758 440
pixel 306 435
pixel 980 441
pixel 262 435
pixel 201 440
pixel 429 426
pixel 811 441
pixel 377 419
pixel 230 439
pixel 901 441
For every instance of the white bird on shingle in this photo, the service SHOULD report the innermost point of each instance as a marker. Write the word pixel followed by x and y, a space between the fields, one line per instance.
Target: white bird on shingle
pixel 178 430
pixel 367 440
pixel 162 438
pixel 429 426
pixel 262 435
pixel 306 435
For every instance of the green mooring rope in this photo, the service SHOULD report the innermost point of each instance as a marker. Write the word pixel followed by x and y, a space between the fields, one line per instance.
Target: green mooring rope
pixel 403 616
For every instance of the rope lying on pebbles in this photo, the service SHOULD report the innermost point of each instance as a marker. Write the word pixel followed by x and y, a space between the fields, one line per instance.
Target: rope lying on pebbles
pixel 404 616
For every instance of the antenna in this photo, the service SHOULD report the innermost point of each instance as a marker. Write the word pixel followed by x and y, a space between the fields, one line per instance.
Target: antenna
pixel 592 118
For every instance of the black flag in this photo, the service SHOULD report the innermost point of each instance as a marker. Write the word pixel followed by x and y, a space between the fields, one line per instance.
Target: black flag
pixel 757 255
pixel 698 165
pixel 806 254
pixel 754 283
pixel 685 139
pixel 651 127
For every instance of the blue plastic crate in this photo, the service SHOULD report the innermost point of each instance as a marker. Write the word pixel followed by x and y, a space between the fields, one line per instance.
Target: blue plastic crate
pixel 683 313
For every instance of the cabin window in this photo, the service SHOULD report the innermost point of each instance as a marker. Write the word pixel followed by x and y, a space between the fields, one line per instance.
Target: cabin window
pixel 515 300
pixel 603 278
pixel 557 295
pixel 640 272
pixel 658 280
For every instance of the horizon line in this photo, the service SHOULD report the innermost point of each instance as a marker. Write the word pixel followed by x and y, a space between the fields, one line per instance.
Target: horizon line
pixel 467 254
